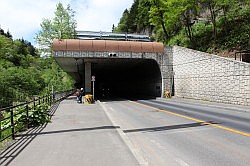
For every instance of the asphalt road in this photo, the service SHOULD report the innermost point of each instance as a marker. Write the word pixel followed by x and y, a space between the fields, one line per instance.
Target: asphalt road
pixel 183 132
pixel 145 132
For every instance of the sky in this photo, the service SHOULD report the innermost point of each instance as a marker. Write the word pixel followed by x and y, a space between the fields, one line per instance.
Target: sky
pixel 23 17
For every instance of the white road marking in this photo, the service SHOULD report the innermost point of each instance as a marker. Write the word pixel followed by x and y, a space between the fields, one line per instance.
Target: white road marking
pixel 135 151
pixel 181 162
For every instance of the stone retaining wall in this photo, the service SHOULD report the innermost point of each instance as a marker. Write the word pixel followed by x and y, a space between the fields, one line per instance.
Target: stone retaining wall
pixel 209 77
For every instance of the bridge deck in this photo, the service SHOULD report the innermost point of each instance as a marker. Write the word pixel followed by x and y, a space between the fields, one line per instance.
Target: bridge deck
pixel 78 135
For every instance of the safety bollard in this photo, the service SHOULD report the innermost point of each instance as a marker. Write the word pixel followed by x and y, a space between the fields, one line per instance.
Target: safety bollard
pixel 89 99
pixel 167 94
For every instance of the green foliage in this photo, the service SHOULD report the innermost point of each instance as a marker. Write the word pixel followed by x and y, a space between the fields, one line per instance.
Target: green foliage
pixel 23 75
pixel 62 26
pixel 136 19
pixel 132 17
pixel 123 24
pixel 6 47
pixel 24 47
pixel 143 24
pixel 39 115
pixel 17 81
pixel 205 25
pixel 7 34
pixel 157 18
pixel 180 39
pixel 54 76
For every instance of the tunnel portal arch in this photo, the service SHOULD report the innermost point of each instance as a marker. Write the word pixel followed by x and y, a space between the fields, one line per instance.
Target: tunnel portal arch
pixel 138 67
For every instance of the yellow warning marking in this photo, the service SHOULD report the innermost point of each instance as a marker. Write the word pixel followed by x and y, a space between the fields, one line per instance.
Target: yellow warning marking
pixel 194 119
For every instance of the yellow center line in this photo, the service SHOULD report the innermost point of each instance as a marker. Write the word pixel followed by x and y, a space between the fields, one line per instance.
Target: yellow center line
pixel 194 119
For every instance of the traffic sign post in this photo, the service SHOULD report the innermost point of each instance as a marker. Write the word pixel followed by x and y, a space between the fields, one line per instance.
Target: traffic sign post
pixel 93 82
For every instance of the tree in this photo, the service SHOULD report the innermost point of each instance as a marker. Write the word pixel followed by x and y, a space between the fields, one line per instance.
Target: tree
pixel 1 31
pixel 8 35
pixel 213 7
pixel 181 12
pixel 133 12
pixel 6 47
pixel 113 28
pixel 61 27
pixel 24 74
pixel 157 16
pixel 123 23
pixel 143 24
pixel 54 76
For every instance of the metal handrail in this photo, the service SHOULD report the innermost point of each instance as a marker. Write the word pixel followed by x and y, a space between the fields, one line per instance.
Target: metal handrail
pixel 241 53
pixel 101 35
pixel 14 111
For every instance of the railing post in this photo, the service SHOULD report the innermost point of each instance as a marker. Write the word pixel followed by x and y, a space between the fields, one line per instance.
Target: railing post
pixel 43 99
pixel 27 114
pixel 49 100
pixel 39 101
pixel 34 103
pixel 1 117
pixel 12 123
pixel 54 97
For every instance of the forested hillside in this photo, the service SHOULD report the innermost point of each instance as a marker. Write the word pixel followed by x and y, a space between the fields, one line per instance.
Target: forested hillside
pixel 23 73
pixel 207 25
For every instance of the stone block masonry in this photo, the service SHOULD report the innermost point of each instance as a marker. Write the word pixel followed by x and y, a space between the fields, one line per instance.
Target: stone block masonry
pixel 203 76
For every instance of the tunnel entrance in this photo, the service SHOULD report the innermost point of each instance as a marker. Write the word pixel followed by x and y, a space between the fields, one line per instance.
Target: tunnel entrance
pixel 121 68
pixel 126 78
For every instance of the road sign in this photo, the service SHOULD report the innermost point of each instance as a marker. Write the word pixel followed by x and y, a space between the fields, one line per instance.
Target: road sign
pixel 93 78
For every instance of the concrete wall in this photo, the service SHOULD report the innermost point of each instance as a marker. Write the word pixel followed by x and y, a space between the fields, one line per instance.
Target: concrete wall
pixel 167 70
pixel 209 77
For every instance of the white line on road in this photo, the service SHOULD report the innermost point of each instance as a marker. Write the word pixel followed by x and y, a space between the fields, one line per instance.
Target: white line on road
pixel 135 151
pixel 181 162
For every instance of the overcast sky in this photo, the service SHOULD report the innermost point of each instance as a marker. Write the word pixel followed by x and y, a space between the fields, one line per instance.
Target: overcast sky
pixel 23 17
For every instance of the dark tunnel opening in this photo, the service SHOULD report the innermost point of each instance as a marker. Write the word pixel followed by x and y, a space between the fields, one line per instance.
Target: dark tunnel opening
pixel 126 78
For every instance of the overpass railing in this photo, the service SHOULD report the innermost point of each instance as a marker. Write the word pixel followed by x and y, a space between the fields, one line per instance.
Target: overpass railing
pixel 17 118
pixel 111 36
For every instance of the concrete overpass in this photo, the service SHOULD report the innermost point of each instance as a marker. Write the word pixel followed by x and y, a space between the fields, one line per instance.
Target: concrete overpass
pixel 125 68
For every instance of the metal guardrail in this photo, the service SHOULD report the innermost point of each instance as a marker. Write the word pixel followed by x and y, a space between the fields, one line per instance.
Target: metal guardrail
pixel 87 35
pixel 24 110
pixel 243 56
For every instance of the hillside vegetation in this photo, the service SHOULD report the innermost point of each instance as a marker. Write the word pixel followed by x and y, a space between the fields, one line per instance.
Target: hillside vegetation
pixel 207 25
pixel 23 73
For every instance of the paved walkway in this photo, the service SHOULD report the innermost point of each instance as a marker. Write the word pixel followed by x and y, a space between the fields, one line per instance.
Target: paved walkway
pixel 79 134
